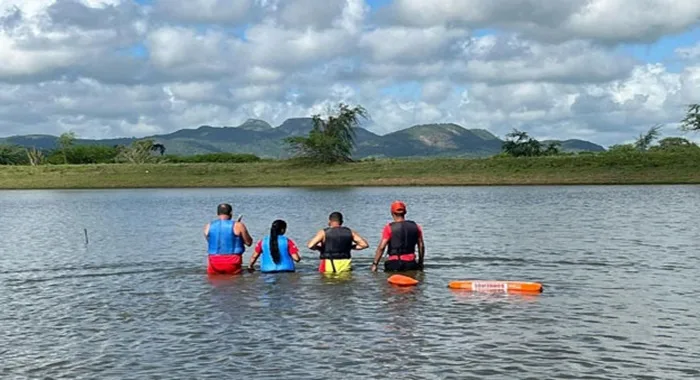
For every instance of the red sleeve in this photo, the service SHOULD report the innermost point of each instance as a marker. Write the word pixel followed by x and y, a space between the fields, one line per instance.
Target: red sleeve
pixel 258 247
pixel 386 232
pixel 292 247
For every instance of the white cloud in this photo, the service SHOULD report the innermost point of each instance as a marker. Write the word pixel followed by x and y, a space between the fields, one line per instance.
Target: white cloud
pixel 551 69
pixel 204 11
pixel 510 60
pixel 608 21
pixel 410 44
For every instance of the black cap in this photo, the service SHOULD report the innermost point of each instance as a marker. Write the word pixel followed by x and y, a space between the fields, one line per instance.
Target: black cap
pixel 224 209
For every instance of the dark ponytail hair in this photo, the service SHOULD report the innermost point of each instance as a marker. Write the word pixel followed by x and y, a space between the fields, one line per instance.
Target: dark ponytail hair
pixel 278 228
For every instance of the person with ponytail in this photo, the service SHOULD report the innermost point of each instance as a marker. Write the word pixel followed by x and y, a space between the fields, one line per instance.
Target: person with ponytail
pixel 279 253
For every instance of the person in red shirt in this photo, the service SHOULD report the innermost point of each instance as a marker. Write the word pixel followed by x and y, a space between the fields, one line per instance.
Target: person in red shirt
pixel 400 239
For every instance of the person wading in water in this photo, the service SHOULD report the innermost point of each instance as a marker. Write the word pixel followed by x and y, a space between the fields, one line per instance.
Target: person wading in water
pixel 401 238
pixel 335 243
pixel 226 242
pixel 279 253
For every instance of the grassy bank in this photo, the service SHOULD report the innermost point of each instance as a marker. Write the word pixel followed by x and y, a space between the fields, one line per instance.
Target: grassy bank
pixel 647 168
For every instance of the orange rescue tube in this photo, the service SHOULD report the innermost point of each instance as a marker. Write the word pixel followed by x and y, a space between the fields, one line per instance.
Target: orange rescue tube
pixel 402 280
pixel 497 286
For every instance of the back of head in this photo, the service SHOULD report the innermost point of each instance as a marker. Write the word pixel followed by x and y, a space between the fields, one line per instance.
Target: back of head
pixel 336 217
pixel 398 208
pixel 279 227
pixel 224 209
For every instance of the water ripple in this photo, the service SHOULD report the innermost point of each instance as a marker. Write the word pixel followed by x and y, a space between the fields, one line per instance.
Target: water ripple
pixel 618 264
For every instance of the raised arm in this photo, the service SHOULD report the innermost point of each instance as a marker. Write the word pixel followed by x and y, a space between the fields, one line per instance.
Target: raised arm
pixel 360 242
pixel 314 243
pixel 206 231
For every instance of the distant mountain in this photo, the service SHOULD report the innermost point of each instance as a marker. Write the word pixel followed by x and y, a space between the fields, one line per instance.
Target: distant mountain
pixel 260 138
pixel 432 140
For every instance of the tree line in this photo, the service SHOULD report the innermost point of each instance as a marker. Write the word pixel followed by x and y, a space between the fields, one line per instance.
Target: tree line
pixel 142 151
pixel 519 144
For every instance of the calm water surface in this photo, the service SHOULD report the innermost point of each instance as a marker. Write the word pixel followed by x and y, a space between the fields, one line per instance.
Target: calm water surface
pixel 620 267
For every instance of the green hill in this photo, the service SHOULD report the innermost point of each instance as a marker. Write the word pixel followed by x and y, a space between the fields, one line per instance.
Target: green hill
pixel 260 138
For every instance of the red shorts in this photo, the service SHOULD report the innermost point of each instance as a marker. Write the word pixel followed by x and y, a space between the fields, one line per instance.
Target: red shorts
pixel 406 257
pixel 224 264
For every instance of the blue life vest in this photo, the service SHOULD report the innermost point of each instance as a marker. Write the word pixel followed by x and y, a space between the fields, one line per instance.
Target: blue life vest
pixel 286 262
pixel 222 241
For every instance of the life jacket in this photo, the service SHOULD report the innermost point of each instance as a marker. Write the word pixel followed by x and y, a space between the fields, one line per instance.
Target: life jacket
pixel 267 264
pixel 404 237
pixel 338 243
pixel 221 239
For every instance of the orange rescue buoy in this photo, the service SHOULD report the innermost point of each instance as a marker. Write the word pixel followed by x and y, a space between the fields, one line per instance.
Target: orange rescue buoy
pixel 497 286
pixel 402 280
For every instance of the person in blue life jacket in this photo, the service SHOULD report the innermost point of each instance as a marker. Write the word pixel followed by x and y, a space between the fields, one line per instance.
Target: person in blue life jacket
pixel 226 241
pixel 279 253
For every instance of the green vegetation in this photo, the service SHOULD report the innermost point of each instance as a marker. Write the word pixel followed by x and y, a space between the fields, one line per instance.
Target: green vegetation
pixel 329 146
pixel 139 152
pixel 604 168
pixel 519 144
pixel 691 122
pixel 65 141
pixel 214 157
pixel 330 141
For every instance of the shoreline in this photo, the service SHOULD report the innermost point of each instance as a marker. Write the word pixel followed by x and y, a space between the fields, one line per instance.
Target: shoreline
pixel 345 187
pixel 584 170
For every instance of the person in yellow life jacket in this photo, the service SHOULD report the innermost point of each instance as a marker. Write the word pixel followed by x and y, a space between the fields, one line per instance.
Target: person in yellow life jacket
pixel 335 243
pixel 400 239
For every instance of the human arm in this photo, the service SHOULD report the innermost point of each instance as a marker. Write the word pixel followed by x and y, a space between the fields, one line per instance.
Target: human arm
pixel 360 242
pixel 254 256
pixel 386 235
pixel 293 250
pixel 316 242
pixel 378 254
pixel 240 229
pixel 421 247
pixel 206 231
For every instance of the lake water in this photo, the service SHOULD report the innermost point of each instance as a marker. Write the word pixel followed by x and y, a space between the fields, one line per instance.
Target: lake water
pixel 620 267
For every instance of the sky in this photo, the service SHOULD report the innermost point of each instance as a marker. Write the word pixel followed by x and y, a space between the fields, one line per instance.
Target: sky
pixel 599 70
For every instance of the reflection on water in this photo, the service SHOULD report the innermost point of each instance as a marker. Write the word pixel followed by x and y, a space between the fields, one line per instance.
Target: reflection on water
pixel 619 265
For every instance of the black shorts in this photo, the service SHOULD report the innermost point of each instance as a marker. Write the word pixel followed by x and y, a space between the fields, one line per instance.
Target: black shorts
pixel 401 266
